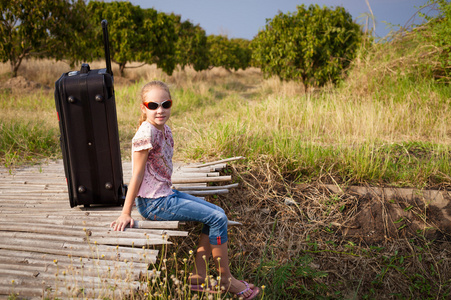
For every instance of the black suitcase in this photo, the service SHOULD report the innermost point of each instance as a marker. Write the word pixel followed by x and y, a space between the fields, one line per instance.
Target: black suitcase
pixel 86 107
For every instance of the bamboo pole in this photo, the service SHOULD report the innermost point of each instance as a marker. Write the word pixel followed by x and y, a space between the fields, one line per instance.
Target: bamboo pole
pixel 218 162
pixel 74 213
pixel 78 250
pixel 131 232
pixel 207 192
pixel 91 285
pixel 201 179
pixel 17 281
pixel 6 186
pixel 39 263
pixel 131 242
pixel 185 169
pixel 156 224
pixel 33 258
pixel 7 289
pixel 41 290
pixel 61 198
pixel 67 220
pixel 90 270
pixel 63 232
pixel 187 185
pixel 40 239
pixel 196 187
pixel 21 191
pixel 196 174
pixel 31 180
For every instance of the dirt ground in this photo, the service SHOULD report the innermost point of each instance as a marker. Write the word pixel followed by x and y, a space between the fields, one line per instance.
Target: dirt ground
pixel 389 213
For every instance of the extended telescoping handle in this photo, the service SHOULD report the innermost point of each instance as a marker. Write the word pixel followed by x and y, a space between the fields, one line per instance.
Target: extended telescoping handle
pixel 107 47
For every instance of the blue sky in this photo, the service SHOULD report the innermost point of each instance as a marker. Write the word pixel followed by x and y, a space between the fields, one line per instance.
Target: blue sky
pixel 244 18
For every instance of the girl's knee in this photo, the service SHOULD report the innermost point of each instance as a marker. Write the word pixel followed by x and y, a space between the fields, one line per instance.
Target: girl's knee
pixel 222 217
pixel 221 220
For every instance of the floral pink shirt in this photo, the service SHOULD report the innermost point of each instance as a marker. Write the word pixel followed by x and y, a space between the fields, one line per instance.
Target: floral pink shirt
pixel 158 171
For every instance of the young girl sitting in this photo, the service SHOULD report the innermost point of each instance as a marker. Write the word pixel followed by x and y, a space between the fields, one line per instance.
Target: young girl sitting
pixel 150 188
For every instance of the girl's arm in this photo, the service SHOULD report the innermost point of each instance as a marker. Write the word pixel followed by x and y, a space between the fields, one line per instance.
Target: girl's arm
pixel 139 163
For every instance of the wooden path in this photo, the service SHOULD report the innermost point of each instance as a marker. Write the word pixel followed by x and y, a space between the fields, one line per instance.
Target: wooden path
pixel 50 250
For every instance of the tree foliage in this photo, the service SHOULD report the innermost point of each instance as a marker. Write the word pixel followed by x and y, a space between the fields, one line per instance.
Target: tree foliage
pixel 231 54
pixel 313 45
pixel 191 46
pixel 136 34
pixel 42 28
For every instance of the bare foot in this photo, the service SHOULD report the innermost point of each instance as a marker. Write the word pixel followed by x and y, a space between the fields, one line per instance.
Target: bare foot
pixel 197 279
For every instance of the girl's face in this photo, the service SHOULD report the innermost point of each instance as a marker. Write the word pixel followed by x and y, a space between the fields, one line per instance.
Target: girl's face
pixel 159 116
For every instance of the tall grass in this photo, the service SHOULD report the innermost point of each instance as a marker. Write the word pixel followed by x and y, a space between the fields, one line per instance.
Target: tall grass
pixel 28 128
pixel 336 134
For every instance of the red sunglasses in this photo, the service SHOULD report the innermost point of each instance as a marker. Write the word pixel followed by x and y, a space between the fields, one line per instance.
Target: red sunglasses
pixel 155 105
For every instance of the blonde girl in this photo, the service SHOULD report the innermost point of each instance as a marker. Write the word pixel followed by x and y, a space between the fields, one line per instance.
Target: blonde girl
pixel 150 189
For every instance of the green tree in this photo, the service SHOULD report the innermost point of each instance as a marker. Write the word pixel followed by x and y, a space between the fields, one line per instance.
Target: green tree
pixel 42 28
pixel 231 54
pixel 243 52
pixel 136 34
pixel 191 46
pixel 313 45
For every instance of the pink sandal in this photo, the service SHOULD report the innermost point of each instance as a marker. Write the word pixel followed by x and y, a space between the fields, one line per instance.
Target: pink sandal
pixel 254 294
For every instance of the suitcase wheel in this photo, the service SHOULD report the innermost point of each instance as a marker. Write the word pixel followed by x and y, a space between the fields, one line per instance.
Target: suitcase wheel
pixel 99 98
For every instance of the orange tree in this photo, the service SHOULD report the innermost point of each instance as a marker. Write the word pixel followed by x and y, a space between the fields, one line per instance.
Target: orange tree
pixel 228 53
pixel 43 28
pixel 191 46
pixel 313 45
pixel 136 34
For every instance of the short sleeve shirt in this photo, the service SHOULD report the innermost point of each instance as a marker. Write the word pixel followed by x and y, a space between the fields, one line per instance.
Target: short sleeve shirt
pixel 158 170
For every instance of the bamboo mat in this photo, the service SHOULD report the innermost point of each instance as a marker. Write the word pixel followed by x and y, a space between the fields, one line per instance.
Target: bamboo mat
pixel 50 250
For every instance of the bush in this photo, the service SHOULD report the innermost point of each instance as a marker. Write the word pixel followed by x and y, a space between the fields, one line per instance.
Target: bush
pixel 230 54
pixel 312 45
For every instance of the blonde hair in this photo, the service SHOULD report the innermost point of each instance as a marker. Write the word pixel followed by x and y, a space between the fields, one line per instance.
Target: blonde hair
pixel 149 86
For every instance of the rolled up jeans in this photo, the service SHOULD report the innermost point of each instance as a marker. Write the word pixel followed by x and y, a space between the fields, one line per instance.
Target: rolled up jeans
pixel 184 207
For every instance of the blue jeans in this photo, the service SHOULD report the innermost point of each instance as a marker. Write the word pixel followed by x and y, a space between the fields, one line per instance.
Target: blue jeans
pixel 184 207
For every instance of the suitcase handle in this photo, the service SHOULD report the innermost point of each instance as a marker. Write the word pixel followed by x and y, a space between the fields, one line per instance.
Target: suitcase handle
pixel 107 47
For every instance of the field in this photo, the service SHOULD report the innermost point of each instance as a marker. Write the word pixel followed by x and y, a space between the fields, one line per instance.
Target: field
pixel 384 126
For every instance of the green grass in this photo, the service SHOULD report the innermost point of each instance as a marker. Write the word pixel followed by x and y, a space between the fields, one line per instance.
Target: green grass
pixel 397 136
pixel 385 141
pixel 26 142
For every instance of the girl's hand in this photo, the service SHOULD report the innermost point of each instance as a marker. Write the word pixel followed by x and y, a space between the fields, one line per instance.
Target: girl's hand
pixel 122 222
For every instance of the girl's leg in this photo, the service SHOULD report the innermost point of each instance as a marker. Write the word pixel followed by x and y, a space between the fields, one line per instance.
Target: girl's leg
pixel 202 255
pixel 184 207
pixel 205 249
pixel 230 283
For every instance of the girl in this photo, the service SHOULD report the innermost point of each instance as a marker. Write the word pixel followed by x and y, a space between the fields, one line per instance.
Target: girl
pixel 150 188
